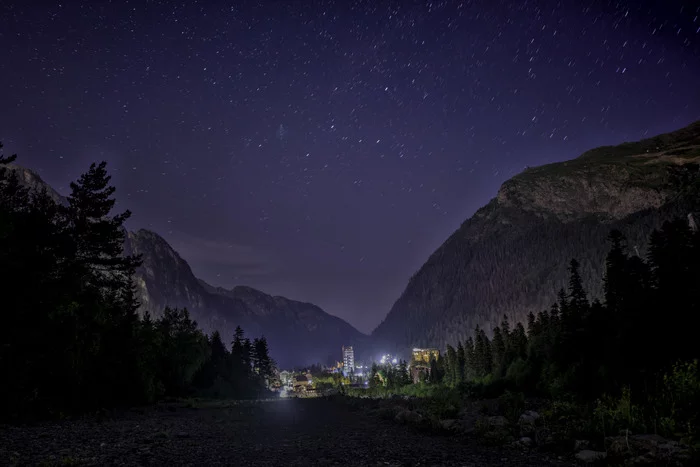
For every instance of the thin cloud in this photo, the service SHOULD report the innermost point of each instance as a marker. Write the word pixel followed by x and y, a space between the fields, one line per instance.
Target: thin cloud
pixel 242 259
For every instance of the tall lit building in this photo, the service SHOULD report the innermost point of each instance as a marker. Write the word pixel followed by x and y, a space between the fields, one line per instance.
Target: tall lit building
pixel 425 355
pixel 348 360
pixel 420 363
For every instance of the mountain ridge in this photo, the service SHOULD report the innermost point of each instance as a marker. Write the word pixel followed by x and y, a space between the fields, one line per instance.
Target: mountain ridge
pixel 298 333
pixel 510 257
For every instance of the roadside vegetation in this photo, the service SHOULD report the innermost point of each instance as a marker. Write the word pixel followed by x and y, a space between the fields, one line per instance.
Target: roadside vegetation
pixel 588 371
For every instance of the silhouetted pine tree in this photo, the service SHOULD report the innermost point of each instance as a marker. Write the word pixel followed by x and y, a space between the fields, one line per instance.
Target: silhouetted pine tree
pixel 498 350
pixel 108 301
pixel 518 341
pixel 482 354
pixel 531 323
pixel 451 366
pixel 66 283
pixel 262 363
pixel 470 359
pixel 435 373
pixel 577 295
pixel 461 364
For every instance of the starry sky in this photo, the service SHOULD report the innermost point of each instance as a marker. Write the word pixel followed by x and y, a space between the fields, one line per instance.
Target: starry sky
pixel 322 150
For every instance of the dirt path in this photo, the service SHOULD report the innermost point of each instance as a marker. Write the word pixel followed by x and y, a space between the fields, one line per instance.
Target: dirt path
pixel 287 432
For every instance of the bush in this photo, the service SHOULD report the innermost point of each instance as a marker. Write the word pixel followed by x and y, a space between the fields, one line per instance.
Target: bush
pixel 678 408
pixel 512 404
pixel 612 414
pixel 520 373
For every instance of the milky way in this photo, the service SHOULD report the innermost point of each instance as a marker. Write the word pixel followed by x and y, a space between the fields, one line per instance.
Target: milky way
pixel 323 150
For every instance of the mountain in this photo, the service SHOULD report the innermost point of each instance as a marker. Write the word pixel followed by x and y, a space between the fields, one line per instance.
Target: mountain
pixel 511 257
pixel 33 181
pixel 298 333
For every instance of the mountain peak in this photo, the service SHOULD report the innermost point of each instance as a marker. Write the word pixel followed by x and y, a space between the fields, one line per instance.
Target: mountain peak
pixel 609 182
pixel 33 181
pixel 511 256
pixel 672 143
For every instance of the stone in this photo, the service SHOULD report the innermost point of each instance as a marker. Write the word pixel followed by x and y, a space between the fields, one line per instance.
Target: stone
pixel 543 436
pixel 525 442
pixel 581 444
pixel 497 421
pixel 529 416
pixel 449 424
pixel 467 426
pixel 588 457
pixel 527 423
pixel 408 416
pixel 647 449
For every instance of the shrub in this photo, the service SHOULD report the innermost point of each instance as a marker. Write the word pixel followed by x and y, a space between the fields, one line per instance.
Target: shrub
pixel 520 373
pixel 612 414
pixel 512 404
pixel 678 408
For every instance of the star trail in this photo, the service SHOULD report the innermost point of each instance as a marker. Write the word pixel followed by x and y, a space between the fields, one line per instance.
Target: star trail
pixel 321 150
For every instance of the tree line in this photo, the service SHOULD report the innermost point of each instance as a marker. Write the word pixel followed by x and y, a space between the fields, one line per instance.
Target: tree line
pixel 519 264
pixel 71 338
pixel 638 341
pixel 389 376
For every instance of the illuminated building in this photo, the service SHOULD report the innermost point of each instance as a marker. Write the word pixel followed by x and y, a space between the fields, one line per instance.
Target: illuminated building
pixel 388 359
pixel 302 383
pixel 423 356
pixel 287 379
pixel 348 360
pixel 420 363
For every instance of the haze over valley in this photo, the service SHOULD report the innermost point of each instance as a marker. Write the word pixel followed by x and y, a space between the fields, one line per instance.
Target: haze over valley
pixel 349 233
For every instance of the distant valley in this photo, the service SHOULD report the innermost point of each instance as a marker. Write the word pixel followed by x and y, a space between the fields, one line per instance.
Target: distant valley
pixel 298 333
pixel 509 258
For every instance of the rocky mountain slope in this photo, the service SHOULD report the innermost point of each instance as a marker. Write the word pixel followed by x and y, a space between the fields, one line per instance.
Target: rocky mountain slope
pixel 298 333
pixel 511 256
pixel 32 180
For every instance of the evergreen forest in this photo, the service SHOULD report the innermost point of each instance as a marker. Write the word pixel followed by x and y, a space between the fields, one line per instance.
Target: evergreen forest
pixel 71 339
pixel 630 361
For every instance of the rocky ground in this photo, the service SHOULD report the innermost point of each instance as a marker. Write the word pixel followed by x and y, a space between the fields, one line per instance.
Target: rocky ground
pixel 277 432
pixel 554 433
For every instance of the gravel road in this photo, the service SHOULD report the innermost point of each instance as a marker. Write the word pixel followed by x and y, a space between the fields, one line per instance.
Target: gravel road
pixel 285 432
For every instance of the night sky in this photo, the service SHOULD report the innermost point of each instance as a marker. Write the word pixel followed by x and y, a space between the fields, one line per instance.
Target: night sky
pixel 323 150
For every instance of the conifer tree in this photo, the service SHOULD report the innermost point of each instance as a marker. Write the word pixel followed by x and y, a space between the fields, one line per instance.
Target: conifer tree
pixel 248 355
pixel 615 262
pixel 532 324
pixel 262 363
pixel 435 376
pixel 470 359
pixel 461 363
pixel 562 305
pixel 505 328
pixel 451 366
pixel 577 295
pixel 498 350
pixel 482 353
pixel 219 354
pixel 519 341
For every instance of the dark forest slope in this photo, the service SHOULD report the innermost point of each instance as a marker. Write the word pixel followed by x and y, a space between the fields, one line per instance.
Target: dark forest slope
pixel 511 256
